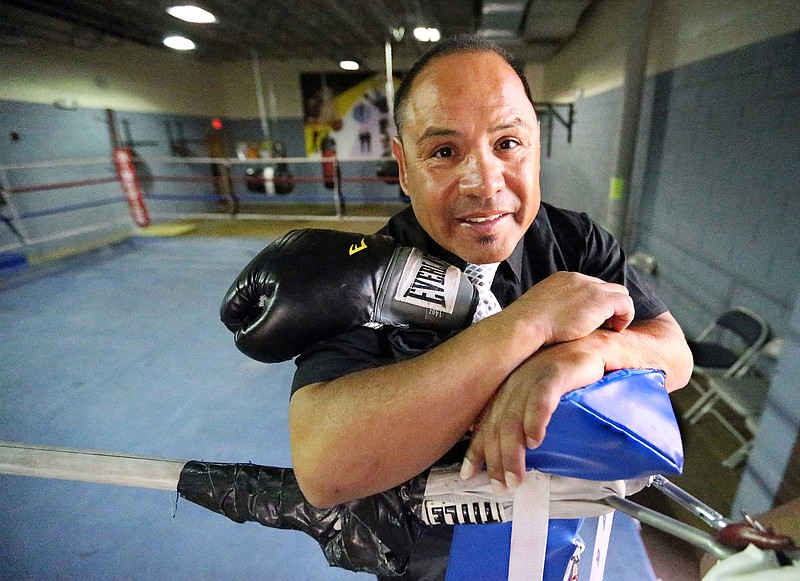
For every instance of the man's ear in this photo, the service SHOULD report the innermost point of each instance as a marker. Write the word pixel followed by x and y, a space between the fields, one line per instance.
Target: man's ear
pixel 400 156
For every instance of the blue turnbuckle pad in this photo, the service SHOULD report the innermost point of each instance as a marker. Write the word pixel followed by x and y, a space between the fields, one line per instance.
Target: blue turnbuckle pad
pixel 619 428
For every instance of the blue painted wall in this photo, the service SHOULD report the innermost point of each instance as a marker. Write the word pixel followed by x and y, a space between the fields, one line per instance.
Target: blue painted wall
pixel 768 477
pixel 717 185
pixel 717 174
pixel 31 133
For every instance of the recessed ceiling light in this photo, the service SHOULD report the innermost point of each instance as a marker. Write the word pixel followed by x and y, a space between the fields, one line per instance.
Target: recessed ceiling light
pixel 349 65
pixel 191 13
pixel 179 43
pixel 424 34
pixel 421 34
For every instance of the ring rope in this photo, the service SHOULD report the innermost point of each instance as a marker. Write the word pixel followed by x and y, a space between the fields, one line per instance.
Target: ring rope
pixel 89 466
pixel 62 185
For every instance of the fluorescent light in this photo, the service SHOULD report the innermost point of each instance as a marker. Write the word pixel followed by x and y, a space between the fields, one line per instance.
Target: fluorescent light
pixel 191 13
pixel 424 34
pixel 421 34
pixel 179 43
pixel 349 65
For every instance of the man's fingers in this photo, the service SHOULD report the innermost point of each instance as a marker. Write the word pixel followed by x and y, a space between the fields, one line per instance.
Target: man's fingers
pixel 474 457
pixel 494 464
pixel 538 412
pixel 512 455
pixel 570 305
pixel 622 309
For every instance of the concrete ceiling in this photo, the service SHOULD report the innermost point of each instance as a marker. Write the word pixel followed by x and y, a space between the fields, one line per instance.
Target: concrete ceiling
pixel 296 29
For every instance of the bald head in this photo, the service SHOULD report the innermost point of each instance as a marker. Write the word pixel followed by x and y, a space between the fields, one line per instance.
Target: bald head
pixel 465 43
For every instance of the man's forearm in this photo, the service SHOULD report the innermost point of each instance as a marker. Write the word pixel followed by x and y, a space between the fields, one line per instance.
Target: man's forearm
pixel 657 343
pixel 368 431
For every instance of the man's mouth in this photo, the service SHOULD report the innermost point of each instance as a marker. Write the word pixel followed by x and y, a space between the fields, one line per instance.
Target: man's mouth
pixel 484 220
pixel 479 219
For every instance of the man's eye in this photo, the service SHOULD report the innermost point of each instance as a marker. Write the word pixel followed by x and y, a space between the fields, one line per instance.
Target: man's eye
pixel 508 144
pixel 444 152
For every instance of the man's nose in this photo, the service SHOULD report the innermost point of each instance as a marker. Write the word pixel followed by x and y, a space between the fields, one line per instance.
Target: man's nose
pixel 481 175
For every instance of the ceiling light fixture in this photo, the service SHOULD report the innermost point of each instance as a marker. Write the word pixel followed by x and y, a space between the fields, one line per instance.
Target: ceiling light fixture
pixel 349 65
pixel 179 43
pixel 398 33
pixel 191 13
pixel 424 34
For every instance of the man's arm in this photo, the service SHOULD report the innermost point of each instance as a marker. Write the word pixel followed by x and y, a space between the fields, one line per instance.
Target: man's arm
pixel 368 431
pixel 518 414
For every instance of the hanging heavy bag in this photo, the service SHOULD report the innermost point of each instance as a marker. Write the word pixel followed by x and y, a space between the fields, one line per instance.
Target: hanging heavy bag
pixel 282 179
pixel 255 180
pixel 329 165
pixel 284 184
pixel 388 170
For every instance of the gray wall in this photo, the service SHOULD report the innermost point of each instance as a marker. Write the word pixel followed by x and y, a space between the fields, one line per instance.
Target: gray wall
pixel 766 476
pixel 717 188
pixel 718 177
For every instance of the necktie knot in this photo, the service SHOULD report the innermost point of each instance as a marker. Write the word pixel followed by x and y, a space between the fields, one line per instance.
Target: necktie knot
pixel 482 275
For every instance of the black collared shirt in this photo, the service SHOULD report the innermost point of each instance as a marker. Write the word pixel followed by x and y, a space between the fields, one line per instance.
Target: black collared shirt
pixel 558 240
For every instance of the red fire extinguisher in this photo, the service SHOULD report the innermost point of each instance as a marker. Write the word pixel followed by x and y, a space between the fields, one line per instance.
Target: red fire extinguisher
pixel 329 165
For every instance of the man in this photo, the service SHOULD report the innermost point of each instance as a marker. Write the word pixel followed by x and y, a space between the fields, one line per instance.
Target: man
pixel 373 408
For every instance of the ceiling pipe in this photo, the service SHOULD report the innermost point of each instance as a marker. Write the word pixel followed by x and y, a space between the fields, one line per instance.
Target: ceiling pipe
pixel 389 78
pixel 262 108
pixel 619 194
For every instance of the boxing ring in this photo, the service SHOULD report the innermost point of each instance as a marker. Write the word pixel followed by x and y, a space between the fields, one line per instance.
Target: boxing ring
pixel 47 206
pixel 132 358
pixel 129 357
pixel 120 349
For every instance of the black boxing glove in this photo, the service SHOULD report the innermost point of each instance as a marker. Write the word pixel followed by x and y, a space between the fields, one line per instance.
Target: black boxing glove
pixel 314 284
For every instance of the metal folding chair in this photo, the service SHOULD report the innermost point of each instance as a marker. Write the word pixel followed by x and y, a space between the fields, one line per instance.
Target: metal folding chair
pixel 744 395
pixel 726 348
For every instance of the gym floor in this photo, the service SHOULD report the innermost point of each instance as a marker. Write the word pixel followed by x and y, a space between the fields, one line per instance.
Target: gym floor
pixel 120 349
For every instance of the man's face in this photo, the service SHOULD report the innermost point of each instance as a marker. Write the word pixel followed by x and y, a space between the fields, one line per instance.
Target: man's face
pixel 469 157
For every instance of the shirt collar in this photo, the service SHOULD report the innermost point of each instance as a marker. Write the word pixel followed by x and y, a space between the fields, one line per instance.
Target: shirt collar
pixel 514 262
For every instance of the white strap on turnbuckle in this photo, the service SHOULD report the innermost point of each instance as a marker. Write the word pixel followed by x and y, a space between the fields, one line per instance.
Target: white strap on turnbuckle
pixel 600 549
pixel 529 532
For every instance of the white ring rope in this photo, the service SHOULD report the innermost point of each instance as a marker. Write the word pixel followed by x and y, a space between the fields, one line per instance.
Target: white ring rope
pixel 163 474
pixel 89 466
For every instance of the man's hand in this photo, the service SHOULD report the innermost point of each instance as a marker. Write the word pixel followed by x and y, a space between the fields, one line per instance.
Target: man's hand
pixel 570 305
pixel 518 414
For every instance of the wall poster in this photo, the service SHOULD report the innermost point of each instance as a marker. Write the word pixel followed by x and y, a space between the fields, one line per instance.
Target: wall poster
pixel 347 113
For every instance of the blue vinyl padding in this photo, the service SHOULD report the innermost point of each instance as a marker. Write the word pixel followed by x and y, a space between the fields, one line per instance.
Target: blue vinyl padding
pixel 618 428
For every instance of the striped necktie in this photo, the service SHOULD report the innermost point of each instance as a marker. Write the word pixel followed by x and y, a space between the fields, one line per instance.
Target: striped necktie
pixel 482 275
